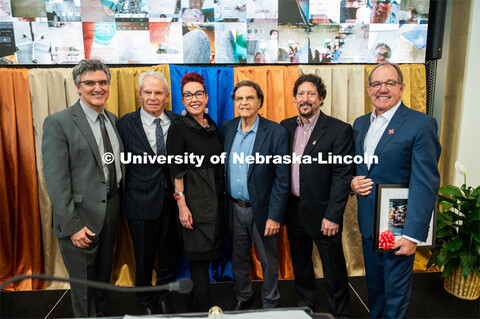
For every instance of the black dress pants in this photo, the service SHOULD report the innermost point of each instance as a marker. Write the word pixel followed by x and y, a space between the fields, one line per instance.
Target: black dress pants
pixel 150 238
pixel 333 263
pixel 201 284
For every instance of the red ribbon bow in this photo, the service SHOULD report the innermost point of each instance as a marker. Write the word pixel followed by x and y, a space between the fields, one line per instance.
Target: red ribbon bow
pixel 386 240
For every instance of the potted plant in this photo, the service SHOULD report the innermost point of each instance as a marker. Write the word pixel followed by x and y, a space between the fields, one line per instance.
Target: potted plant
pixel 458 239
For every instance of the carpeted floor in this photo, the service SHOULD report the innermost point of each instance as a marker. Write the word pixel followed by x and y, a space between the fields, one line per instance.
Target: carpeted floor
pixel 429 300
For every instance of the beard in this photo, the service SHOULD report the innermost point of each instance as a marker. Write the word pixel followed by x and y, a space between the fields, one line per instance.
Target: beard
pixel 306 114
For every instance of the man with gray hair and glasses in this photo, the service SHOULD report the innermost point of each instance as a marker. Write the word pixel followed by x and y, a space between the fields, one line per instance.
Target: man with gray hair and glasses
pixel 407 148
pixel 148 195
pixel 80 149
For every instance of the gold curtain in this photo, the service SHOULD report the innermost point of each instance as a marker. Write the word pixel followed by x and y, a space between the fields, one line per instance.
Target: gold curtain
pixel 53 90
pixel 20 240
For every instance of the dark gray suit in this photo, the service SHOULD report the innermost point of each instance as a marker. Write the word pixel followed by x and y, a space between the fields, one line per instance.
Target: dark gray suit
pixel 77 188
pixel 148 206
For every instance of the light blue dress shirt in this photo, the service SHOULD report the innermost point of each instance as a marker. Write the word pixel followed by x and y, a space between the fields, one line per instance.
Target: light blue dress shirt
pixel 238 172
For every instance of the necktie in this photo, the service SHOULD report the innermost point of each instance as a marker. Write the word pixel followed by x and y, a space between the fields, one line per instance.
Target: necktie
pixel 107 147
pixel 159 137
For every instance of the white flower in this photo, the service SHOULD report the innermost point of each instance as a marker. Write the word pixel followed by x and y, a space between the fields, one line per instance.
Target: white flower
pixel 460 168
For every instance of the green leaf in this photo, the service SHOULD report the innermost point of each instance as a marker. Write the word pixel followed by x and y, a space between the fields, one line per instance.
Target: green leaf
pixel 444 232
pixel 476 192
pixel 475 215
pixel 451 190
pixel 467 191
pixel 443 257
pixel 451 266
pixel 446 205
pixel 441 224
pixel 453 244
pixel 442 198
pixel 476 235
pixel 433 259
pixel 467 260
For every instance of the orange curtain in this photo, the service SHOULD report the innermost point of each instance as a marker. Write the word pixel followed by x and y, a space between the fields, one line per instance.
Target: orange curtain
pixel 277 86
pixel 20 240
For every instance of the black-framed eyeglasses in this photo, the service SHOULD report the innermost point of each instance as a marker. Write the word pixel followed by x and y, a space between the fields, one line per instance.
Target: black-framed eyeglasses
pixel 249 99
pixel 188 96
pixel 90 83
pixel 389 84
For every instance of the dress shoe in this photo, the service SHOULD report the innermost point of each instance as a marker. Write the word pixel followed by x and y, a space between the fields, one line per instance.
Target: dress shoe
pixel 162 307
pixel 240 305
pixel 145 310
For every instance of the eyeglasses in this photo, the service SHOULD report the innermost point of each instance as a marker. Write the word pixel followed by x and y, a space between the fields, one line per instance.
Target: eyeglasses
pixel 361 2
pixel 199 95
pixel 389 84
pixel 91 84
pixel 384 54
pixel 249 99
pixel 381 2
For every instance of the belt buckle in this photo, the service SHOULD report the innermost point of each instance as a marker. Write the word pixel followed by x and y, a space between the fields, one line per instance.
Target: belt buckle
pixel 242 203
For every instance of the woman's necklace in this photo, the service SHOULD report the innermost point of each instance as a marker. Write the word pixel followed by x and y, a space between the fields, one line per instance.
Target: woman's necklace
pixel 205 123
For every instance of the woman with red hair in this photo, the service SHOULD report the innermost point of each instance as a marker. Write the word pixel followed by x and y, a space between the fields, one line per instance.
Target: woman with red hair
pixel 199 186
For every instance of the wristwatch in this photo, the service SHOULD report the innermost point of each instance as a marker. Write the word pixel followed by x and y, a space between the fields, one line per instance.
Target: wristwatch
pixel 178 195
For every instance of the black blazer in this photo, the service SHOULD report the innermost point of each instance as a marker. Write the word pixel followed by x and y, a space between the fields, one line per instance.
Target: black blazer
pixel 144 187
pixel 324 188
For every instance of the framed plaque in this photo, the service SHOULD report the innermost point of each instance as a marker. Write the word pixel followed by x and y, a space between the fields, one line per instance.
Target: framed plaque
pixel 391 211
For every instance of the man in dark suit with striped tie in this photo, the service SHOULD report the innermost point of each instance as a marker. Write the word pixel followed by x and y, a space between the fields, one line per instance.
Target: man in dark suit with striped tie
pixel 148 201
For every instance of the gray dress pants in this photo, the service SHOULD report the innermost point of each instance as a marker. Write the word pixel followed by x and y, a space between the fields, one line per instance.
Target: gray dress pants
pixel 243 231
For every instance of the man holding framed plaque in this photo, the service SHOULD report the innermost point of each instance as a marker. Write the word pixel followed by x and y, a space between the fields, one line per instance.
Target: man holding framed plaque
pixel 407 150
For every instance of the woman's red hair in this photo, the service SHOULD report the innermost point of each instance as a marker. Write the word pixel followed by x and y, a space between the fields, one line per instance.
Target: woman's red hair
pixel 193 77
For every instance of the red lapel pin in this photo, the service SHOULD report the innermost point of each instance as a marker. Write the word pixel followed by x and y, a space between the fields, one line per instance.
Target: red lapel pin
pixel 314 142
pixel 390 131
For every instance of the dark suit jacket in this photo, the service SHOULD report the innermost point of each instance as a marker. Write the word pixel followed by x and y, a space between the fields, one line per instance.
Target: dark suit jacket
pixel 144 183
pixel 408 153
pixel 268 184
pixel 73 171
pixel 324 188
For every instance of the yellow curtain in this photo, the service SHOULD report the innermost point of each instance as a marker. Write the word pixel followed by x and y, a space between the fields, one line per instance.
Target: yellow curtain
pixel 20 240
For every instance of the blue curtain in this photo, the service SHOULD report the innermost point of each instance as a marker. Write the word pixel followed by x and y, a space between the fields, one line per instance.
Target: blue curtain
pixel 219 83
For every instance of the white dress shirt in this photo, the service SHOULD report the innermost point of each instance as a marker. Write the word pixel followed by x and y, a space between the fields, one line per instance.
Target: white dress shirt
pixel 378 124
pixel 149 127
pixel 94 122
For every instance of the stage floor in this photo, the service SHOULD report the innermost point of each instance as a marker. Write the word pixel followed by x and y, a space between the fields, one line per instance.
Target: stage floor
pixel 429 300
